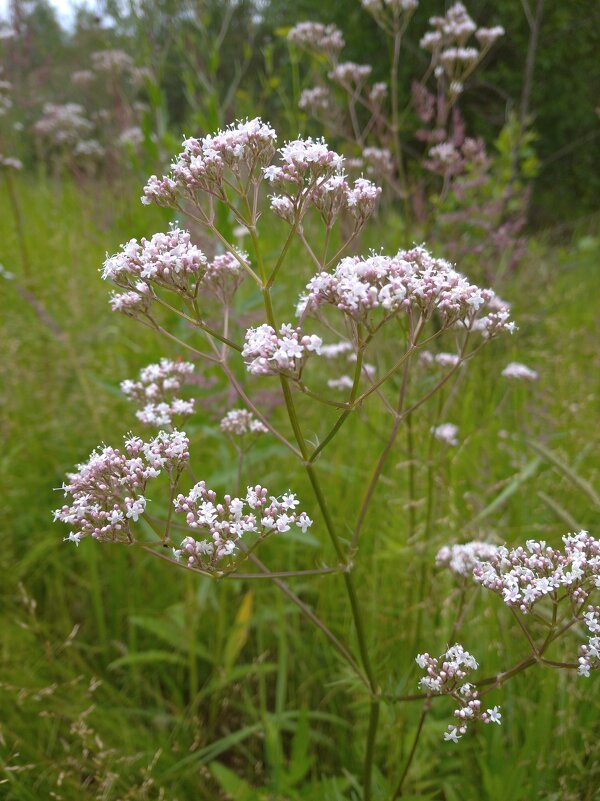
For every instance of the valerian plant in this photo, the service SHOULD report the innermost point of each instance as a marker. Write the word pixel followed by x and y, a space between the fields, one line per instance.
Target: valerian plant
pixel 411 298
pixel 416 141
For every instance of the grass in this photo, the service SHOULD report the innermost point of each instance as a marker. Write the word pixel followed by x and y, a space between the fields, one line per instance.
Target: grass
pixel 124 679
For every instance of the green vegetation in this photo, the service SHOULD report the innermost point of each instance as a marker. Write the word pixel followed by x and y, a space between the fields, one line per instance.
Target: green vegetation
pixel 123 678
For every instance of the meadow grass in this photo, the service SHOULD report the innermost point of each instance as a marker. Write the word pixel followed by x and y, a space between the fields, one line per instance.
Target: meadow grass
pixel 123 678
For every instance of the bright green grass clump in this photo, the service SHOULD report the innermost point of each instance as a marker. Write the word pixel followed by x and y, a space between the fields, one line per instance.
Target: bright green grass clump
pixel 121 678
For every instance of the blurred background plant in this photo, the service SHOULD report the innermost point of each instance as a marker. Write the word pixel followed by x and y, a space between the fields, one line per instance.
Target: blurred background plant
pixel 120 681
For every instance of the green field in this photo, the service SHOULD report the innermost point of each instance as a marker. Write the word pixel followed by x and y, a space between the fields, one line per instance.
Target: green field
pixel 124 678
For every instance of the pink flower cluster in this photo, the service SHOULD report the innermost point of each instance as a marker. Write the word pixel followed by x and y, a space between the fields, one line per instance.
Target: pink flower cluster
pixel 461 559
pixel 156 390
pixel 524 576
pixel 447 43
pixel 269 353
pixel 240 422
pixel 63 125
pixel 330 197
pixel 168 260
pixel 228 521
pixel 108 490
pixel 203 162
pixel 326 39
pixel 412 278
pixel 315 99
pixel 445 676
pixel 303 161
pixel 349 74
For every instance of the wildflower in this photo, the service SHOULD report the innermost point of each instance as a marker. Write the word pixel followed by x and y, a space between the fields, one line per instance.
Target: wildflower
pixel 268 353
pixel 226 522
pixel 111 61
pixel 168 260
pixel 202 163
pixel 519 372
pixel 315 99
pixel 461 559
pixel 350 74
pixel 326 39
pixel 240 422
pixel 525 575
pixel 413 278
pixel 108 491
pixel 156 391
pixel 445 676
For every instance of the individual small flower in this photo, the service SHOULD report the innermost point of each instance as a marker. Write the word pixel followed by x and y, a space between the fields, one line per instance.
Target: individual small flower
pixel 326 39
pixel 446 432
pixel 461 559
pixel 519 372
pixel 269 353
pixel 241 422
pixel 156 392
pixel 83 77
pixel 225 523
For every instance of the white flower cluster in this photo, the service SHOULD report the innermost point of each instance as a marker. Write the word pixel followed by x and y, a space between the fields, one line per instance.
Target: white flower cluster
pixel 267 353
pixel 240 422
pixel 446 433
pixel 430 359
pixel 156 389
pixel 315 99
pixel 82 77
pixel 10 163
pixel 326 39
pixel 108 490
pixel 445 676
pixel 520 372
pixel 131 137
pixel 389 13
pixel 461 559
pixel 168 260
pixel 379 161
pixel 524 576
pixel 228 521
pixel 447 44
pixel 111 61
pixel 412 278
pixel 202 163
pixel 349 74
pixel 330 197
pixel 63 125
